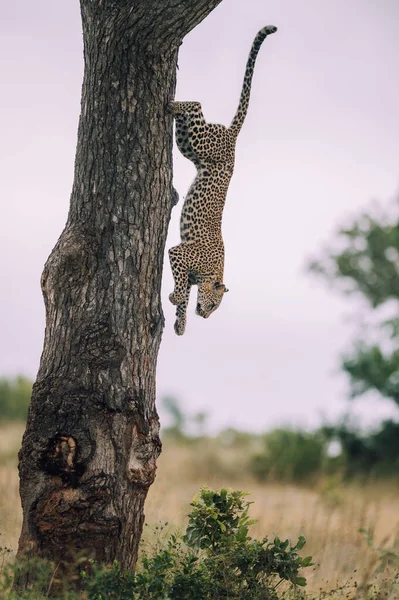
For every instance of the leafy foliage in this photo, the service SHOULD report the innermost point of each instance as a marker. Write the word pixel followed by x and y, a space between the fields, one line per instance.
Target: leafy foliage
pixel 217 518
pixel 370 368
pixel 215 559
pixel 368 264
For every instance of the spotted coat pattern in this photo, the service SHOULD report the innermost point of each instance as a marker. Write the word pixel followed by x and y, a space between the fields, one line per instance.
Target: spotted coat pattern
pixel 199 258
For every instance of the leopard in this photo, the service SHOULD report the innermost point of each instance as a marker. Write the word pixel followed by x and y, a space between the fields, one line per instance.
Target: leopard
pixel 199 258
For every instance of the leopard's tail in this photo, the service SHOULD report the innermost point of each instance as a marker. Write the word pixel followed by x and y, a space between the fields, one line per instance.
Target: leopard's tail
pixel 249 71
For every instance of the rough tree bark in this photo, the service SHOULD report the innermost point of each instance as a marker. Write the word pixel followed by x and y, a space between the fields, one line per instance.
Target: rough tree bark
pixel 91 443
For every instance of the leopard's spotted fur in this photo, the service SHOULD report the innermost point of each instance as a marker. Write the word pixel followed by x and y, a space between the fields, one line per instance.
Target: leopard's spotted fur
pixel 199 259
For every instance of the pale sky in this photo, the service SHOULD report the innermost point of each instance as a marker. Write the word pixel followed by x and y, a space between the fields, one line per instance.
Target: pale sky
pixel 321 140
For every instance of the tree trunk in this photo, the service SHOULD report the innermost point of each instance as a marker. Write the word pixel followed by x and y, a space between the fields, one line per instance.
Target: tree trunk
pixel 92 438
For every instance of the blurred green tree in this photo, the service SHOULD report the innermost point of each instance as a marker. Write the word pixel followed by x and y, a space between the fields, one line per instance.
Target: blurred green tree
pixel 177 417
pixel 374 453
pixel 366 262
pixel 290 455
pixel 182 423
pixel 15 394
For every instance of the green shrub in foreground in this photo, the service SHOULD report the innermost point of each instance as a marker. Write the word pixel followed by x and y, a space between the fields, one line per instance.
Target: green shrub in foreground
pixel 215 559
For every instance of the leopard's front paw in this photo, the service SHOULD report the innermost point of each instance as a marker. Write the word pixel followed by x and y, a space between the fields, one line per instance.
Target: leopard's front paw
pixel 180 325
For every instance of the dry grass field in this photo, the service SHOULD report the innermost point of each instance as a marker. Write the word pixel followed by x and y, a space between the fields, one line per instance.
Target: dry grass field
pixel 329 514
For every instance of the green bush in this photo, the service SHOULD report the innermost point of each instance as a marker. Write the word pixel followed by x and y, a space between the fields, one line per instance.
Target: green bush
pixel 297 456
pixel 14 398
pixel 375 454
pixel 215 559
pixel 290 456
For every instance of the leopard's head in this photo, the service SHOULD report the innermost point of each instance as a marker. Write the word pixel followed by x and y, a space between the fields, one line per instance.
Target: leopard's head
pixel 209 297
